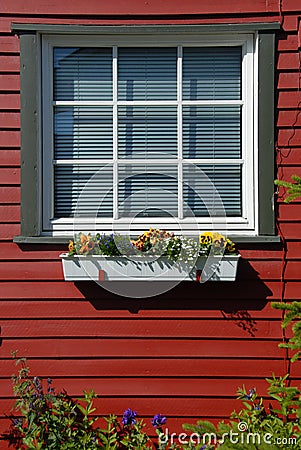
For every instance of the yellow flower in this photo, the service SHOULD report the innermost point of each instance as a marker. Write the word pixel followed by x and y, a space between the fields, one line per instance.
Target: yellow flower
pixel 71 246
pixel 206 238
pixel 218 236
pixel 230 246
pixel 219 243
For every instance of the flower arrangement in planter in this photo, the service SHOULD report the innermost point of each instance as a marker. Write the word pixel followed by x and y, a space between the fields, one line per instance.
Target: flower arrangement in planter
pixel 155 253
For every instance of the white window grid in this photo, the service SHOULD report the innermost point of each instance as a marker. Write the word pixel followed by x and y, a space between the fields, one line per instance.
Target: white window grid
pixel 246 224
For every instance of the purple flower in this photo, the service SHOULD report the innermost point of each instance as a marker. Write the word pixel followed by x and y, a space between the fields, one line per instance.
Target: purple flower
pixel 249 396
pixel 37 383
pixel 17 422
pixel 158 420
pixel 129 417
pixel 50 390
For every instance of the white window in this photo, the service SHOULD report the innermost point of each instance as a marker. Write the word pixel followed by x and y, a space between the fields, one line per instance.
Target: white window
pixel 134 128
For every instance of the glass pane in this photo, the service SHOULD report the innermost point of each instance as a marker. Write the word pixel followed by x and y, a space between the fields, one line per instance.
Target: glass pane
pixel 148 191
pixel 212 73
pixel 211 132
pixel 147 132
pixel 91 185
pixel 147 73
pixel 82 73
pixel 83 132
pixel 201 198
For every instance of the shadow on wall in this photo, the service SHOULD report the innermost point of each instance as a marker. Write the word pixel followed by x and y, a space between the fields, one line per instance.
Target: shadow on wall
pixel 233 299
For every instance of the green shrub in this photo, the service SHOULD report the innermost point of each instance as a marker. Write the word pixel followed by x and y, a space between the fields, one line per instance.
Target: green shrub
pixel 55 421
pixel 256 427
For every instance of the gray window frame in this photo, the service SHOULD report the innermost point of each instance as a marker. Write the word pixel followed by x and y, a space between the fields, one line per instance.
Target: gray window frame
pixel 31 164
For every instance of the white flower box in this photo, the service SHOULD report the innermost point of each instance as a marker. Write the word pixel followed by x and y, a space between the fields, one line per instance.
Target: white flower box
pixel 144 268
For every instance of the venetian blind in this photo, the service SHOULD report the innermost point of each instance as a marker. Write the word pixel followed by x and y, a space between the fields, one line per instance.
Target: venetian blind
pixel 148 119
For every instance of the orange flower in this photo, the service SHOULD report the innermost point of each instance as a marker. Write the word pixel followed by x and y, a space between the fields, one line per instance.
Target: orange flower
pixel 83 238
pixel 139 245
pixel 90 245
pixel 84 249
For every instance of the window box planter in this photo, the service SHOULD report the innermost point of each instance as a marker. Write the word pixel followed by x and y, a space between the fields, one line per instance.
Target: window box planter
pixel 118 268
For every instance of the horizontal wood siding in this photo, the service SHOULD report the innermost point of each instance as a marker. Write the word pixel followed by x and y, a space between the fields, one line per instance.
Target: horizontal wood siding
pixel 182 354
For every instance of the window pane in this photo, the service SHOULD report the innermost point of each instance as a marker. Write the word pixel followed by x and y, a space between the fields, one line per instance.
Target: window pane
pixel 212 73
pixel 199 195
pixel 83 132
pixel 146 132
pixel 211 132
pixel 96 198
pixel 148 191
pixel 147 74
pixel 82 73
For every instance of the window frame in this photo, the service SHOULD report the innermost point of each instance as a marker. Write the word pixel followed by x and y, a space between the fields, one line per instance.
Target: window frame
pixel 31 199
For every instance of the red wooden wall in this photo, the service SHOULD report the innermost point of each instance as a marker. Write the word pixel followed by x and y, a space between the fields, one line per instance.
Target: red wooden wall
pixel 182 354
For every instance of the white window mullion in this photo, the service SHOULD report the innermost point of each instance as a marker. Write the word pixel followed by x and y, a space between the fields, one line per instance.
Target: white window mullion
pixel 247 114
pixel 180 132
pixel 255 134
pixel 212 102
pixel 115 135
pixel 79 162
pixel 147 102
pixel 215 161
pixel 82 103
pixel 149 161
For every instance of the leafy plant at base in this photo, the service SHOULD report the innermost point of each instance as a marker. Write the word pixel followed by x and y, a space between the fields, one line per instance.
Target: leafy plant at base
pixel 273 428
pixel 51 420
pixel 125 436
pixel 55 421
pixel 281 420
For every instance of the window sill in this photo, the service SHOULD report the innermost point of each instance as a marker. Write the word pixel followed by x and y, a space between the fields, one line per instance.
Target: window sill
pixel 264 239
